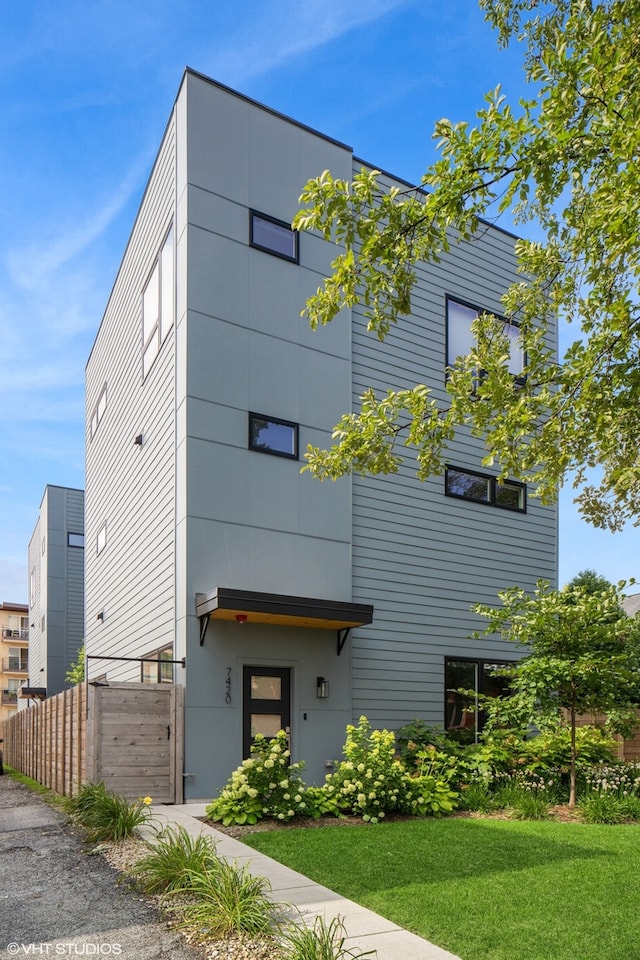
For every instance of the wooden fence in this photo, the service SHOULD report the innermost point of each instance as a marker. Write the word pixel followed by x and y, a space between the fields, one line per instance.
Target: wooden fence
pixel 129 736
pixel 135 739
pixel 47 740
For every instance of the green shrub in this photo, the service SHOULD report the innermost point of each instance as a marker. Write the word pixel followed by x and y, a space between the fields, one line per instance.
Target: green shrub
pixel 601 808
pixel 267 784
pixel 322 941
pixel 226 899
pixel 551 749
pixel 322 802
pixel 478 797
pixel 108 816
pixel 371 781
pixel 174 858
pixel 427 796
pixel 87 797
pixel 630 807
pixel 415 736
pixel 529 806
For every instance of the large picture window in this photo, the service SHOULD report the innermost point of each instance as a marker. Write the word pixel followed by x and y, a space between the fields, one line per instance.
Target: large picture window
pixel 158 304
pixel 483 488
pixel 271 435
pixel 273 236
pixel 460 339
pixel 462 719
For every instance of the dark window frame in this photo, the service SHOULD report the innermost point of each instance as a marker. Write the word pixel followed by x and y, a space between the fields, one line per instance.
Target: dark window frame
pixel 483 665
pixel 493 486
pixel 278 421
pixel 295 258
pixel 70 543
pixel 519 380
pixel 162 661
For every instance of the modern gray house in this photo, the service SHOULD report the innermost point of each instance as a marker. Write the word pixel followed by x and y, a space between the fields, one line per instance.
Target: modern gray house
pixel 212 561
pixel 56 589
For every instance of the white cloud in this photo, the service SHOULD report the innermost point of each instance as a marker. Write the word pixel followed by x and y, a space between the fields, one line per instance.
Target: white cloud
pixel 51 249
pixel 281 31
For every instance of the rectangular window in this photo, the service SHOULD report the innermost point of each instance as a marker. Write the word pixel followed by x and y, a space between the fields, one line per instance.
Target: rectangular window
pixel 101 539
pixel 460 340
pixel 158 304
pixel 270 435
pixel 462 720
pixel 17 660
pixel 483 488
pixel 99 410
pixel 75 540
pixel 157 666
pixel 273 236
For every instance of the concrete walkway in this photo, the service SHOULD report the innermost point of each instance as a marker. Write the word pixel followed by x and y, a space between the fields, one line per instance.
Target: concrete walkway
pixel 365 929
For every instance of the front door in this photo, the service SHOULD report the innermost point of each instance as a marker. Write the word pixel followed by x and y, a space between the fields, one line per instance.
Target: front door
pixel 266 703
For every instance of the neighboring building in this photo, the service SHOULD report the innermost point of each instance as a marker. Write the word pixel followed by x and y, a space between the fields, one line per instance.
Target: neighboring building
pixel 56 588
pixel 14 654
pixel 296 604
pixel 631 604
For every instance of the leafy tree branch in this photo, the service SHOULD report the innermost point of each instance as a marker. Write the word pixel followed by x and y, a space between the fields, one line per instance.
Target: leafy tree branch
pixel 565 160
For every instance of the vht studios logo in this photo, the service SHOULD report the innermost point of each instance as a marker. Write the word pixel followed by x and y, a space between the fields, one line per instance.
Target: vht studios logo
pixel 64 949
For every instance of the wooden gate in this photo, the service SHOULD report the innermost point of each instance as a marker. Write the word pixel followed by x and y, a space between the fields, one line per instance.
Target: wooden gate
pixel 135 739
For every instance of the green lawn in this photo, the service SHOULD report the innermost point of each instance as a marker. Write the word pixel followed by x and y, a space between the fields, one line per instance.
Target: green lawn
pixel 484 889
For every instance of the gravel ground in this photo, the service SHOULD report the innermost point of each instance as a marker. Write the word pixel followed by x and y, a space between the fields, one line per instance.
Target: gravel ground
pixel 58 900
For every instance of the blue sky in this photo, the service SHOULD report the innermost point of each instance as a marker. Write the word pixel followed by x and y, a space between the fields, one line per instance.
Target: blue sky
pixel 86 89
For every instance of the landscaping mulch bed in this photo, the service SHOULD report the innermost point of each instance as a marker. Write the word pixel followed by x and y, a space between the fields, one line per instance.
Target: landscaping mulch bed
pixel 123 856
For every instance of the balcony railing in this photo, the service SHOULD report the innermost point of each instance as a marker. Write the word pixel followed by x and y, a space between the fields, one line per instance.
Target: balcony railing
pixel 15 664
pixel 9 633
pixel 10 697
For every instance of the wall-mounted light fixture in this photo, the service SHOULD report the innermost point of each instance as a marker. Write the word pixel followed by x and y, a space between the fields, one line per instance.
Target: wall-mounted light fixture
pixel 322 688
pixel 100 616
pixel 138 440
pixel 241 618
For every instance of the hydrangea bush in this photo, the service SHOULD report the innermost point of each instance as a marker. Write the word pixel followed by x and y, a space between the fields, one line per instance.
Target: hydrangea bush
pixel 370 781
pixel 266 784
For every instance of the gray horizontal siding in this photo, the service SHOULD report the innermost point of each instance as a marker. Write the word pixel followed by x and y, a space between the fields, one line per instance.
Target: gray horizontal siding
pixel 420 557
pixel 132 488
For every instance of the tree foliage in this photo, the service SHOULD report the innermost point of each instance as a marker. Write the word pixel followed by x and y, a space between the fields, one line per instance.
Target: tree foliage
pixel 583 658
pixel 566 160
pixel 75 673
pixel 590 580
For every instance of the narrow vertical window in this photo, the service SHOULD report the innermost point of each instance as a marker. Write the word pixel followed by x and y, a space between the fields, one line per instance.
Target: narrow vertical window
pixel 99 410
pixel 158 304
pixel 101 539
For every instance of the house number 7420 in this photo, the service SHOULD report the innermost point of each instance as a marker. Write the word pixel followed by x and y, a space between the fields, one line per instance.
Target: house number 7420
pixel 227 686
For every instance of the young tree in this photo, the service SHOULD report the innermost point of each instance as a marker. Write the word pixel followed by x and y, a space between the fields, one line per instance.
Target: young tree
pixel 75 673
pixel 583 657
pixel 567 160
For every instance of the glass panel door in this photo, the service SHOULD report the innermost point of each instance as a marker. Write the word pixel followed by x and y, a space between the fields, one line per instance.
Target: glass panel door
pixel 266 703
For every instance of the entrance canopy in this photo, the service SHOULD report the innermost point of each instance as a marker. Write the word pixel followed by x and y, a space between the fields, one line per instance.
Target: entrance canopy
pixel 247 606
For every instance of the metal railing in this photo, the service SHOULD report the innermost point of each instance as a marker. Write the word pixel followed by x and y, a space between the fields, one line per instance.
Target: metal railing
pixel 10 697
pixel 10 633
